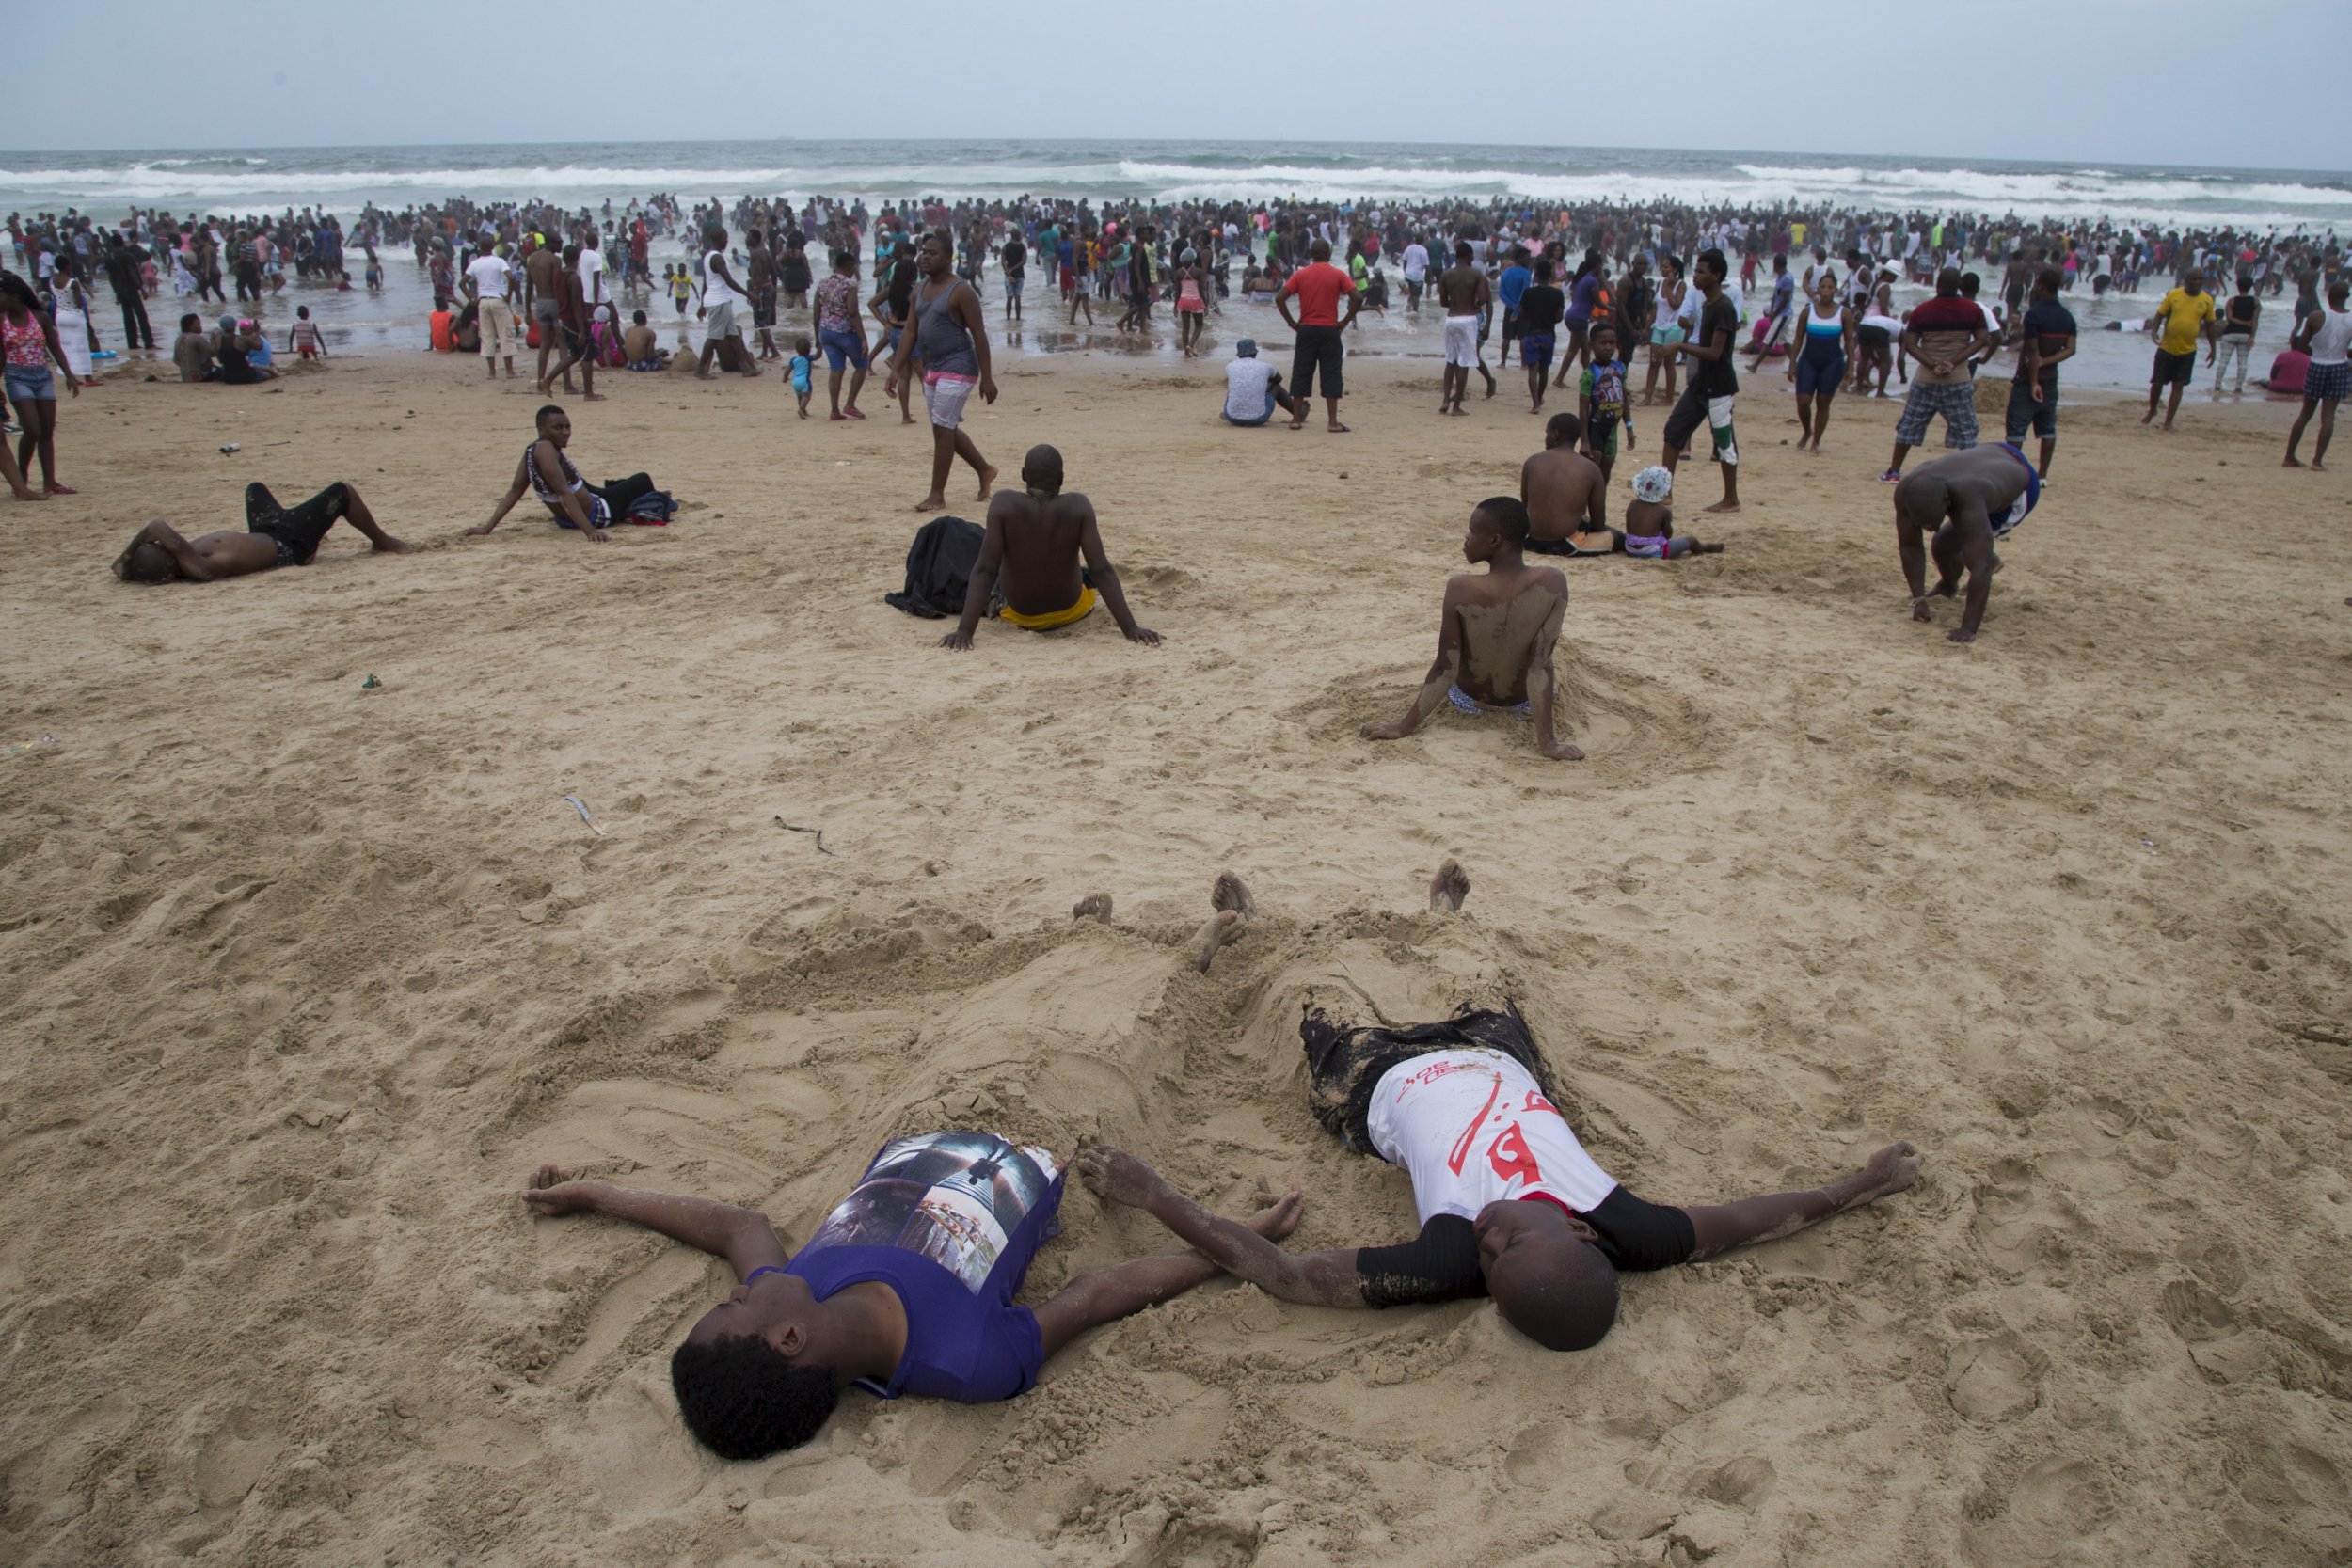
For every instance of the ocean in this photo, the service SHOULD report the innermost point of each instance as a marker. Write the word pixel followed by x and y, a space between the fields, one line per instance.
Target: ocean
pixel 237 180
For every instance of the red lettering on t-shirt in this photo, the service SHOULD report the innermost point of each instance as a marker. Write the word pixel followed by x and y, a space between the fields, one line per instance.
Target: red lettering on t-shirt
pixel 1512 1158
pixel 1462 1145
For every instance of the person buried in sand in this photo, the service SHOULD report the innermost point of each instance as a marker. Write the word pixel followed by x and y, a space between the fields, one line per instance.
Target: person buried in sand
pixel 1566 496
pixel 1960 504
pixel 946 330
pixel 1511 1206
pixel 571 500
pixel 274 536
pixel 1047 549
pixel 1495 633
pixel 1649 521
pixel 905 1287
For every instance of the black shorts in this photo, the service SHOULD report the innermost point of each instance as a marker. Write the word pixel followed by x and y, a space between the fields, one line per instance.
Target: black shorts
pixel 2173 370
pixel 1511 326
pixel 1874 337
pixel 2024 411
pixel 296 531
pixel 1344 1065
pixel 1320 349
pixel 764 307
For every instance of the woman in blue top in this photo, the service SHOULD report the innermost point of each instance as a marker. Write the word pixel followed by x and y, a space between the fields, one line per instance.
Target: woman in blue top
pixel 905 1287
pixel 1825 326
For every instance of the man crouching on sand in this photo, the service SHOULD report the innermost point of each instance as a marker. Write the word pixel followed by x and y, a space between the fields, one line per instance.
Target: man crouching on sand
pixel 1048 551
pixel 274 536
pixel 1511 1205
pixel 1495 633
pixel 906 1288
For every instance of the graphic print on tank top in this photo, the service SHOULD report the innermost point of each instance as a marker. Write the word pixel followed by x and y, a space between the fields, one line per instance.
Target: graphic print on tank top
pixel 952 1197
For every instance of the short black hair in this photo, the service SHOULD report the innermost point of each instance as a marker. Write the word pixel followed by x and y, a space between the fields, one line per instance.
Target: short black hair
pixel 1567 426
pixel 742 1400
pixel 1714 258
pixel 545 410
pixel 1508 517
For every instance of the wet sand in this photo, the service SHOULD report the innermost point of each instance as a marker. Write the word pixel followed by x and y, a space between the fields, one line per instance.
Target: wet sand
pixel 302 981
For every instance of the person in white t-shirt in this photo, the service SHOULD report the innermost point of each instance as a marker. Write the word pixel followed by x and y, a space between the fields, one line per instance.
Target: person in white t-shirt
pixel 1415 261
pixel 723 299
pixel 1253 389
pixel 1511 1205
pixel 488 279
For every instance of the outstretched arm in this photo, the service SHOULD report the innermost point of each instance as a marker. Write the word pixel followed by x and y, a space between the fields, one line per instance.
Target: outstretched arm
pixel 514 494
pixel 1314 1279
pixel 1435 684
pixel 741 1236
pixel 1107 581
pixel 1724 1226
pixel 1106 1295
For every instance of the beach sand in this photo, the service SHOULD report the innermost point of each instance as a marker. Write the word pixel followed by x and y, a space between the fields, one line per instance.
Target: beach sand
pixel 302 981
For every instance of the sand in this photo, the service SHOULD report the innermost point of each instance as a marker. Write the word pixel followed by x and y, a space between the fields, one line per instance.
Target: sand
pixel 301 981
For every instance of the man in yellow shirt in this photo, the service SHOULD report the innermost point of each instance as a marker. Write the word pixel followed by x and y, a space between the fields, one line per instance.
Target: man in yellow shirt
pixel 2186 314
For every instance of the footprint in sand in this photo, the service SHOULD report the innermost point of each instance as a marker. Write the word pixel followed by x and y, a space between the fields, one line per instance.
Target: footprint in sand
pixel 1995 1380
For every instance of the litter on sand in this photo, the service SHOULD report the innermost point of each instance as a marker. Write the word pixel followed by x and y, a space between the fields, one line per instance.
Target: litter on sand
pixel 581 806
pixel 819 832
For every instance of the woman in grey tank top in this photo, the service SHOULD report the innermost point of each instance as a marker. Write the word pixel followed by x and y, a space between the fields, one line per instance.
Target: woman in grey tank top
pixel 945 331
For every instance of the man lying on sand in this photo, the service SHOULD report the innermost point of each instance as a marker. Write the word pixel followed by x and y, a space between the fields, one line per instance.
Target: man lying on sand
pixel 906 1288
pixel 274 536
pixel 571 500
pixel 1038 540
pixel 1965 500
pixel 1495 633
pixel 1566 496
pixel 1511 1205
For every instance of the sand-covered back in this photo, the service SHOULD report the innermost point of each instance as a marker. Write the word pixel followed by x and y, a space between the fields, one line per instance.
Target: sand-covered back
pixel 300 982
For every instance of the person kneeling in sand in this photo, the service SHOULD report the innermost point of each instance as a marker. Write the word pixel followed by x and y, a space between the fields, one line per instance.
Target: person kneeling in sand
pixel 1495 633
pixel 1566 496
pixel 571 500
pixel 1649 521
pixel 905 1287
pixel 1511 1205
pixel 1048 551
pixel 1253 389
pixel 1960 504
pixel 274 536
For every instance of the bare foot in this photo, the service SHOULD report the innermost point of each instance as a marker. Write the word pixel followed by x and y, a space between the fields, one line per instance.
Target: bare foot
pixel 1223 927
pixel 1721 506
pixel 395 547
pixel 1228 894
pixel 1094 906
pixel 932 503
pixel 1448 888
pixel 988 477
pixel 2292 462
pixel 1890 1170
pixel 1277 1216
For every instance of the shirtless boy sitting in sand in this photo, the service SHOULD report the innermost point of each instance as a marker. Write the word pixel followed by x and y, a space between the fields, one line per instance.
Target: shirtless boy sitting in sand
pixel 1649 521
pixel 1048 551
pixel 1960 504
pixel 1511 1205
pixel 1566 496
pixel 906 1288
pixel 1495 633
pixel 274 536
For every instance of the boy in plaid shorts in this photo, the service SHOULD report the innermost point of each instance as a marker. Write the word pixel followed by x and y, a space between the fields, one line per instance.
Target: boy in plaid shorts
pixel 1942 337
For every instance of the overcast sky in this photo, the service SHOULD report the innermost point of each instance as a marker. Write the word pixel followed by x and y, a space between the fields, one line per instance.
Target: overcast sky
pixel 2249 83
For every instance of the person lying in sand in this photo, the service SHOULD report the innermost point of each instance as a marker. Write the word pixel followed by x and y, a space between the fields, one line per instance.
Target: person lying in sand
pixel 274 536
pixel 1495 633
pixel 1511 1206
pixel 1048 551
pixel 1649 521
pixel 571 500
pixel 1960 504
pixel 905 1287
pixel 1566 496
